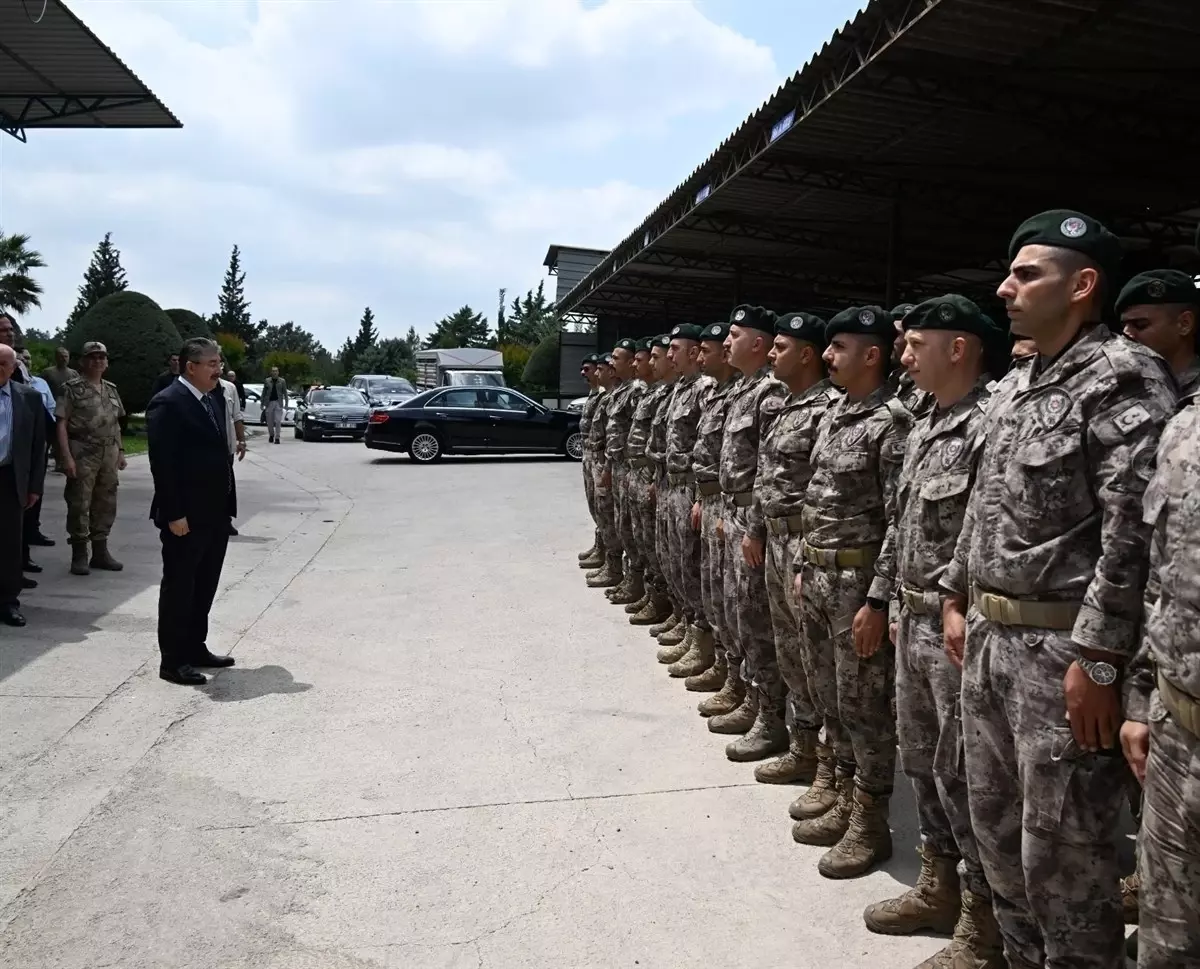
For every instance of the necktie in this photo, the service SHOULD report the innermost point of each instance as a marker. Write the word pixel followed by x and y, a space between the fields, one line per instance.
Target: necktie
pixel 211 408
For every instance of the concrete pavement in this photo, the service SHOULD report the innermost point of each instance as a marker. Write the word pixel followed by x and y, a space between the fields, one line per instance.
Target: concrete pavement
pixel 438 750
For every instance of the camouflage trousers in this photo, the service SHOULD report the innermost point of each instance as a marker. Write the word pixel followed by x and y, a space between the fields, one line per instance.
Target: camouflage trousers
pixel 684 551
pixel 1044 812
pixel 623 507
pixel 1169 927
pixel 929 722
pixel 92 494
pixel 606 518
pixel 853 695
pixel 749 613
pixel 712 567
pixel 780 553
pixel 643 509
pixel 589 485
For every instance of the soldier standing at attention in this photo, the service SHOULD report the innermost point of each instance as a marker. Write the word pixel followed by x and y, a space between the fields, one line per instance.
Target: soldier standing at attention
pixel 593 558
pixel 1161 734
pixel 610 573
pixel 844 614
pixel 900 383
pixel 708 638
pixel 753 406
pixel 783 475
pixel 1052 557
pixel 621 404
pixel 641 471
pixel 949 344
pixel 1160 309
pixel 89 444
pixel 659 609
pixel 683 555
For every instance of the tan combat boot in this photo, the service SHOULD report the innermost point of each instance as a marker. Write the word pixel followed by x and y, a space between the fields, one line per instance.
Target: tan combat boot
pixel 1131 886
pixel 729 697
pixel 101 559
pixel 594 549
pixel 669 654
pixel 823 793
pixel 976 943
pixel 695 660
pixel 713 678
pixel 767 736
pixel 867 842
pixel 633 591
pixel 605 579
pixel 931 905
pixel 665 626
pixel 621 586
pixel 593 561
pixel 656 610
pixel 797 766
pixel 829 827
pixel 740 719
pixel 674 635
pixel 633 608
pixel 79 559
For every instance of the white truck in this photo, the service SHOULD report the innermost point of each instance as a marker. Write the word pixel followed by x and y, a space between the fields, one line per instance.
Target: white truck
pixel 459 367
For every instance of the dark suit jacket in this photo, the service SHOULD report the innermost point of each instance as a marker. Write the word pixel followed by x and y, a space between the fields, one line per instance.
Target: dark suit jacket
pixel 189 460
pixel 28 440
pixel 162 382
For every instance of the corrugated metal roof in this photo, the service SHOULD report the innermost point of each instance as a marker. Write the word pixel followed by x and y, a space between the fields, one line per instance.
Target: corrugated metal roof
pixel 927 128
pixel 55 73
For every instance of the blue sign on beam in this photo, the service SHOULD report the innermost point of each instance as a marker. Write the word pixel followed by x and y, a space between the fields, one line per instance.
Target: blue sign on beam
pixel 783 124
pixel 704 193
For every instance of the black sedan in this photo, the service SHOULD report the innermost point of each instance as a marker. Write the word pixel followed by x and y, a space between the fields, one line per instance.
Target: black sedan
pixel 473 420
pixel 332 412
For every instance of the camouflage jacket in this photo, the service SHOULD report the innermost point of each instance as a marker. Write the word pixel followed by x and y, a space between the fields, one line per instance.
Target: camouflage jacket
pixel 1056 512
pixel 714 403
pixel 931 496
pixel 1172 508
pixel 901 386
pixel 92 413
pixel 682 421
pixel 589 408
pixel 597 424
pixel 1189 380
pixel 856 464
pixel 621 404
pixel 783 455
pixel 753 407
pixel 656 446
pixel 643 416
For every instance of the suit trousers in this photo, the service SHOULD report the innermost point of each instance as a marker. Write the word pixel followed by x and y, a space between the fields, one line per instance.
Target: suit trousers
pixel 191 573
pixel 12 549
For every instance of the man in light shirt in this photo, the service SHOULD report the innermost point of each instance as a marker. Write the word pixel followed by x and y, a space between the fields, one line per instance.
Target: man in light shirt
pixel 235 428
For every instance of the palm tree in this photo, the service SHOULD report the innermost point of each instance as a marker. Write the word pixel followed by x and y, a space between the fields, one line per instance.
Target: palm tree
pixel 19 292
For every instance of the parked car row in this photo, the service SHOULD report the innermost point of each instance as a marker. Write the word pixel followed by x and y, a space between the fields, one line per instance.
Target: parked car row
pixel 255 413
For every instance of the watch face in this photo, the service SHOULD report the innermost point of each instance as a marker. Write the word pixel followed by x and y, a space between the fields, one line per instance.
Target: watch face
pixel 1104 674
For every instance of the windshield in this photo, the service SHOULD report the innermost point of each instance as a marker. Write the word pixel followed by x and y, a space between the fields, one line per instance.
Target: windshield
pixel 392 385
pixel 474 378
pixel 339 395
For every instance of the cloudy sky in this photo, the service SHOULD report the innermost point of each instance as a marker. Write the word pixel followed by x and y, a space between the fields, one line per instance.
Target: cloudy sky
pixel 409 156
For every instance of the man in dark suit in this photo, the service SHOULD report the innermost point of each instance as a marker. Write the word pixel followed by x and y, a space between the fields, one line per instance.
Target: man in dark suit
pixel 22 476
pixel 194 500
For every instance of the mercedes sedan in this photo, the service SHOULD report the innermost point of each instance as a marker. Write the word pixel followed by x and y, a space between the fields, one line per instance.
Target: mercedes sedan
pixel 332 412
pixel 473 420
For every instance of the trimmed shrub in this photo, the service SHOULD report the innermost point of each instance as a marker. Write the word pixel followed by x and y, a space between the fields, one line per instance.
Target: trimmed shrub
pixel 190 325
pixel 139 337
pixel 233 349
pixel 295 368
pixel 541 372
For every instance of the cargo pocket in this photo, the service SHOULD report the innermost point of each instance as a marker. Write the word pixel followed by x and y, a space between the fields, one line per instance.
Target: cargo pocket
pixel 1073 796
pixel 1055 758
pixel 948 758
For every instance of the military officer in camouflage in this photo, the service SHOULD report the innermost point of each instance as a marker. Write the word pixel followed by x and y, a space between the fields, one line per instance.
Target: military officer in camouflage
pixel 642 476
pixel 621 404
pixel 1160 309
pixel 900 383
pixel 707 652
pixel 593 558
pixel 683 548
pixel 659 608
pixel 1052 563
pixel 783 475
pixel 88 414
pixel 612 571
pixel 1161 735
pixel 947 348
pixel 844 613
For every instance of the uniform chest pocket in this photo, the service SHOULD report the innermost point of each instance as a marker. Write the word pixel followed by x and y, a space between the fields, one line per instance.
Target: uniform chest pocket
pixel 944 500
pixel 739 423
pixel 795 444
pixel 848 462
pixel 1048 477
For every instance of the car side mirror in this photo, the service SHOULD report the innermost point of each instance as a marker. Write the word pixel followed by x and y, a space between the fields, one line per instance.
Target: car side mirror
pixel 531 411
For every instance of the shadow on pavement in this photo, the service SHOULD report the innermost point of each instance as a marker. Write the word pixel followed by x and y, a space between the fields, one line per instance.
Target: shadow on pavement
pixel 235 684
pixel 480 459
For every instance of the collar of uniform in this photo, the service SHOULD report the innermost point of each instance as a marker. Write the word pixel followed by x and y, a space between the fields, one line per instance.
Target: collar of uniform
pixel 940 423
pixel 869 403
pixel 1073 359
pixel 821 387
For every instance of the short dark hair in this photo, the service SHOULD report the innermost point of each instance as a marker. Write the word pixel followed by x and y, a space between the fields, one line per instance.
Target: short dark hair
pixel 195 349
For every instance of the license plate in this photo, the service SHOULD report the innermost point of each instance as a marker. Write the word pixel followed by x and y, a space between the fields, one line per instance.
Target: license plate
pixel 345 424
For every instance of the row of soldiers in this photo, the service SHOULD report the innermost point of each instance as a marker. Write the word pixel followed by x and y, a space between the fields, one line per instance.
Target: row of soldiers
pixel 862 535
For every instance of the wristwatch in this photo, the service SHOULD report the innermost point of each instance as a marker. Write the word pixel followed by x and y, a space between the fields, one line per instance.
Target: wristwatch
pixel 1102 674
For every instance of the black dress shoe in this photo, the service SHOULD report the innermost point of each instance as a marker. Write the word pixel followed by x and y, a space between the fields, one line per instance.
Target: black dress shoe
pixel 183 675
pixel 28 583
pixel 11 616
pixel 31 567
pixel 37 538
pixel 207 659
pixel 233 529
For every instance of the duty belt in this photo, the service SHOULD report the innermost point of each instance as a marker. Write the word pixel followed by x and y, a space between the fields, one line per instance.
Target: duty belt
pixel 742 499
pixel 921 603
pixel 840 558
pixel 641 462
pixel 786 524
pixel 679 478
pixel 1183 707
pixel 1025 612
pixel 708 488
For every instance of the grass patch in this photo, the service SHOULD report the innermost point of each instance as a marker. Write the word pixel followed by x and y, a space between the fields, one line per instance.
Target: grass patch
pixel 134 444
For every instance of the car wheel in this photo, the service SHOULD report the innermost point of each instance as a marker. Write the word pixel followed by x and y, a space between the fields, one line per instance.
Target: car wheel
pixel 310 435
pixel 356 437
pixel 296 431
pixel 425 448
pixel 574 446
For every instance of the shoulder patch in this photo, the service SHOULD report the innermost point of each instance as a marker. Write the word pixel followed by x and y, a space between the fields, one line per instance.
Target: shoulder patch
pixel 900 413
pixel 1131 418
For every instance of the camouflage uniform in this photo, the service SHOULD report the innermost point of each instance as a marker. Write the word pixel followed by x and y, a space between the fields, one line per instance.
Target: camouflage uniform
pixel 684 543
pixel 92 415
pixel 589 483
pixel 856 462
pixel 643 475
pixel 1189 379
pixel 656 452
pixel 621 404
pixel 706 467
pixel 1162 688
pixel 783 475
pixel 931 502
pixel 605 518
pixel 916 401
pixel 1053 557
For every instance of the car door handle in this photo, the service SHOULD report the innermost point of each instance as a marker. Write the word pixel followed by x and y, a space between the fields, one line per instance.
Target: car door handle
pixel 438 413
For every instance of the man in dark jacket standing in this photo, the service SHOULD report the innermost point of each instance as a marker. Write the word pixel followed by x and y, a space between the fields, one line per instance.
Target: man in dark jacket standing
pixel 194 500
pixel 22 475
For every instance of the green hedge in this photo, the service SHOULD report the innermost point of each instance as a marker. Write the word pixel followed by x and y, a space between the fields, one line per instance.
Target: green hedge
pixel 190 325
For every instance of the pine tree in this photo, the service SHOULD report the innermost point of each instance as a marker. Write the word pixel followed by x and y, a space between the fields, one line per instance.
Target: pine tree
pixel 465 328
pixel 367 335
pixel 413 340
pixel 502 335
pixel 233 309
pixel 103 277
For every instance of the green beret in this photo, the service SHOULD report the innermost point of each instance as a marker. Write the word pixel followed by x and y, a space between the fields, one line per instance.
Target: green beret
pixel 902 310
pixel 802 326
pixel 626 344
pixel 643 346
pixel 662 340
pixel 756 317
pixel 606 360
pixel 686 331
pixel 715 332
pixel 952 312
pixel 591 358
pixel 864 321
pixel 1158 287
pixel 1065 229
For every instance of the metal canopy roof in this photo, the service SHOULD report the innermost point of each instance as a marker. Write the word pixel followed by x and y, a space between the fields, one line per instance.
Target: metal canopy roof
pixel 55 73
pixel 898 161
